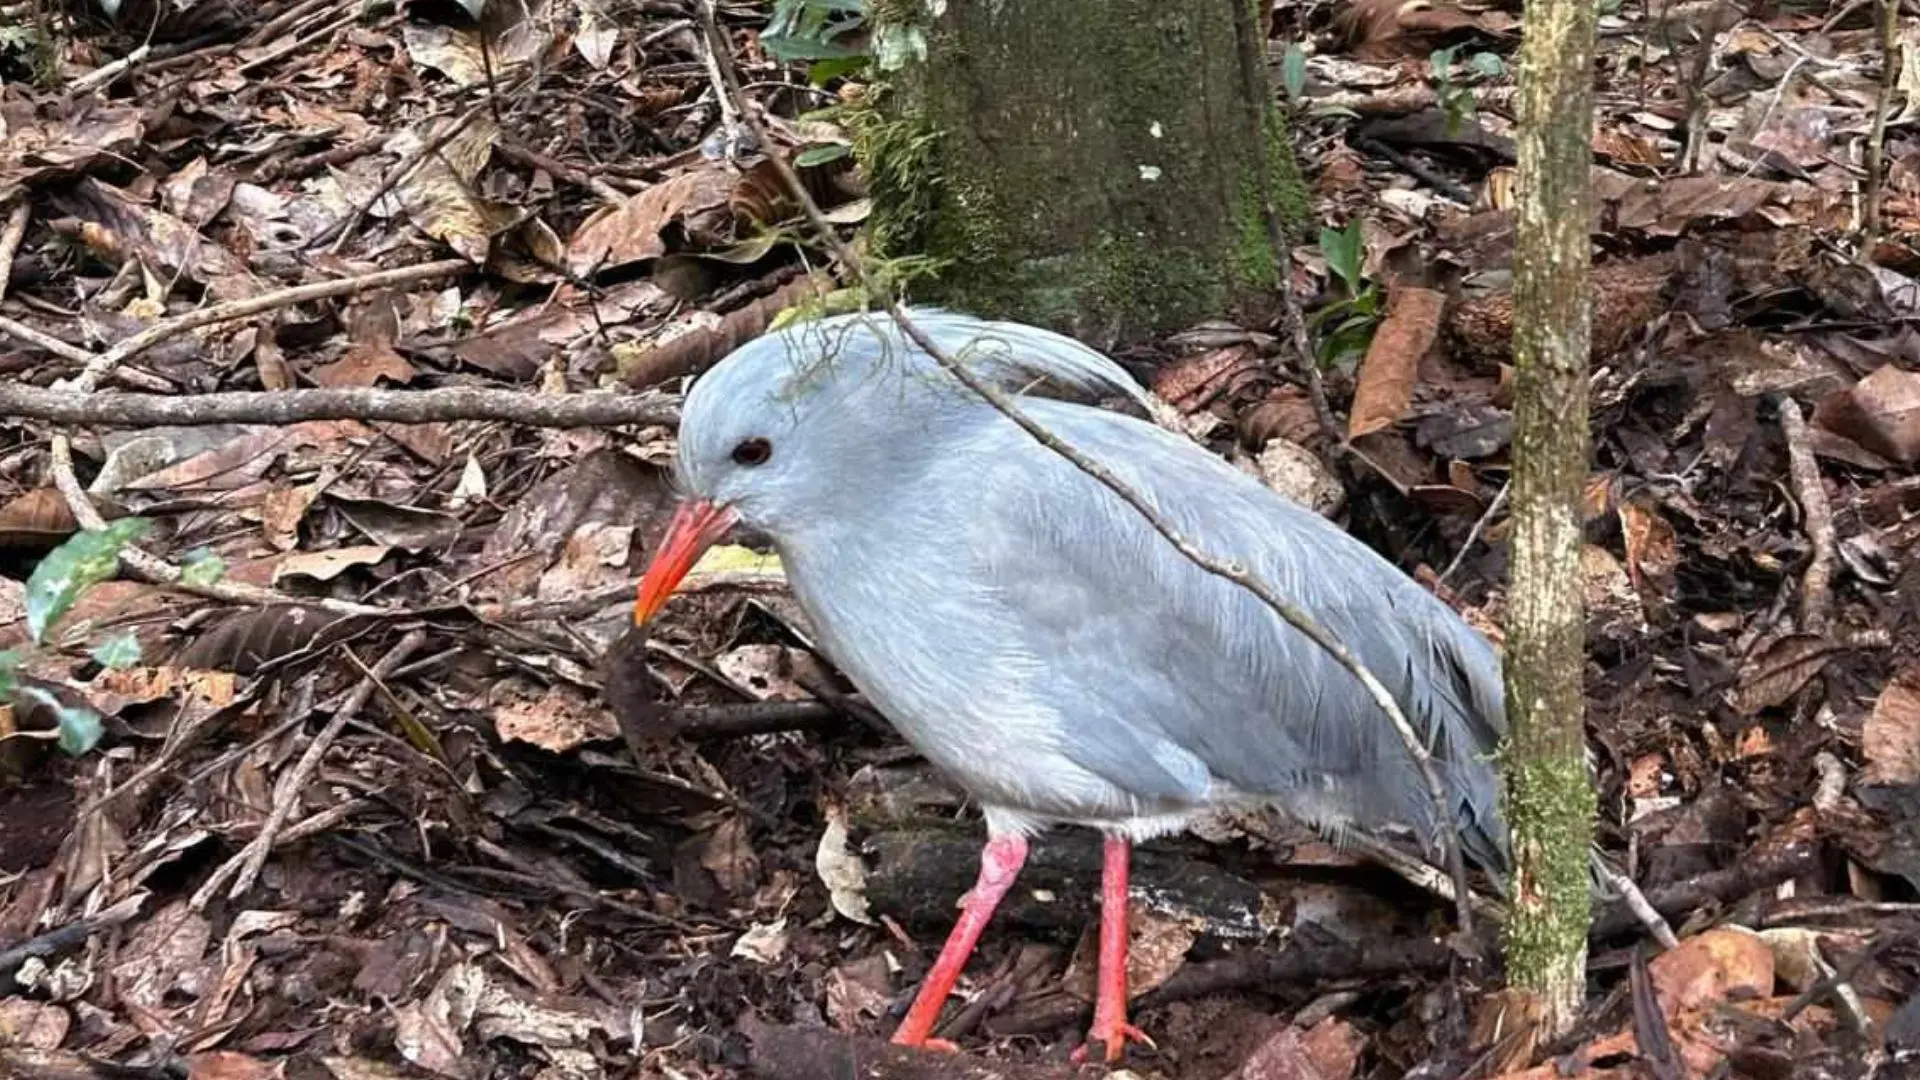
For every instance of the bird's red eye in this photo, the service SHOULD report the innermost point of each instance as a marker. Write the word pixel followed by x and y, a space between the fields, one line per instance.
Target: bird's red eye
pixel 752 451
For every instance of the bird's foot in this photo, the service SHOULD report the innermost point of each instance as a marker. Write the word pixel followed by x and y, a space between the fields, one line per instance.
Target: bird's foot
pixel 923 1042
pixel 1115 1040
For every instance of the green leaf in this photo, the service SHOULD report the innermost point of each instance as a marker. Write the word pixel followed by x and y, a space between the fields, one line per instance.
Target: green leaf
pixel 1345 251
pixel 1487 64
pixel 10 661
pixel 788 47
pixel 122 650
pixel 85 560
pixel 822 72
pixel 1293 71
pixel 80 727
pixel 1442 62
pixel 820 155
pixel 202 567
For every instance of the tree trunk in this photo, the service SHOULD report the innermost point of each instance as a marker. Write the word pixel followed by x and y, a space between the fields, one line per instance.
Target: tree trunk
pixel 1101 167
pixel 1550 797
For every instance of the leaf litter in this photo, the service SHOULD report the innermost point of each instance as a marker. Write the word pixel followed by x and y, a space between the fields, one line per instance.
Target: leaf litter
pixel 479 878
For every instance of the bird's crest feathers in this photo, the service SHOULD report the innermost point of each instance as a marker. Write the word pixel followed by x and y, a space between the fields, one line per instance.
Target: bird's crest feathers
pixel 1017 359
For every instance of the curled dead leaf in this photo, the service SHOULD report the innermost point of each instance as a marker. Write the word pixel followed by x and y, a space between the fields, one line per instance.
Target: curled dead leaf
pixel 1777 670
pixel 1391 368
pixel 1890 742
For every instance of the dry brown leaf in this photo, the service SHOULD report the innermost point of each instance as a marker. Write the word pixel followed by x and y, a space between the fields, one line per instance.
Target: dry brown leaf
pixel 233 1065
pixel 365 364
pixel 429 1032
pixel 33 1025
pixel 1709 968
pixel 1890 742
pixel 840 869
pixel 857 992
pixel 1612 604
pixel 440 194
pixel 281 512
pixel 728 856
pixel 37 520
pixel 329 564
pixel 241 461
pixel 115 689
pixel 1391 368
pixel 1666 207
pixel 1334 1046
pixel 1880 413
pixel 1298 473
pixel 245 640
pixel 1653 551
pixel 39 139
pixel 558 719
pixel 1193 382
pixel 616 235
pixel 197 194
pixel 163 954
pixel 593 558
pixel 1283 1056
pixel 1777 670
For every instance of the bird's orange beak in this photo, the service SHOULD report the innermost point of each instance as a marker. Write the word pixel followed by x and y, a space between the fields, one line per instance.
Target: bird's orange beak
pixel 696 524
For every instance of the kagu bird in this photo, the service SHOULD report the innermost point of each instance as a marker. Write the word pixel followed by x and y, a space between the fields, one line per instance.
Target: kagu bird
pixel 1034 638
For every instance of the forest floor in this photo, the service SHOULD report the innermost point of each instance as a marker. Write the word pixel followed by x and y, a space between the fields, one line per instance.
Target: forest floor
pixel 354 805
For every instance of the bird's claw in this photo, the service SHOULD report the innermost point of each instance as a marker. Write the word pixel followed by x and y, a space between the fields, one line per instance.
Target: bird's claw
pixel 1115 1042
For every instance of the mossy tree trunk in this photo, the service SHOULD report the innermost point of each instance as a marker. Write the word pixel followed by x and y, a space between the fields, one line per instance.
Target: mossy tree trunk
pixel 1100 167
pixel 1550 797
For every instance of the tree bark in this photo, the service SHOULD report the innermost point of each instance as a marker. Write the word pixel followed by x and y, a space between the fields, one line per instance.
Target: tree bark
pixel 1101 167
pixel 1550 796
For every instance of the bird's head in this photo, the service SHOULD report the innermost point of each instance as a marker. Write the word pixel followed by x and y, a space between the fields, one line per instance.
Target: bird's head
pixel 806 425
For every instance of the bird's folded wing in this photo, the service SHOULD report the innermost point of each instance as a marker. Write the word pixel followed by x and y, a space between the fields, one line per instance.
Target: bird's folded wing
pixel 1175 677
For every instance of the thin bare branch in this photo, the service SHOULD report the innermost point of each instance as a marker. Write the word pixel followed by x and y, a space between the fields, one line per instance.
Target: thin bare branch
pixel 1816 594
pixel 166 330
pixel 10 237
pixel 244 868
pixel 373 404
pixel 1877 133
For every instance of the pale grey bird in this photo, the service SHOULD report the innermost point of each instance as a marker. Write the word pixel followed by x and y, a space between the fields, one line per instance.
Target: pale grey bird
pixel 1032 636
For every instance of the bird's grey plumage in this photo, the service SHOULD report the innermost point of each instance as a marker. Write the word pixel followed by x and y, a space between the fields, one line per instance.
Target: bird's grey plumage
pixel 1034 637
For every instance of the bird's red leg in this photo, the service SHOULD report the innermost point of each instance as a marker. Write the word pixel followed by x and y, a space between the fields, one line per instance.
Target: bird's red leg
pixel 1000 863
pixel 1110 1027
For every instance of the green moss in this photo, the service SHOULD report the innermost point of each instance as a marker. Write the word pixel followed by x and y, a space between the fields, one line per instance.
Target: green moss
pixel 1550 807
pixel 1075 166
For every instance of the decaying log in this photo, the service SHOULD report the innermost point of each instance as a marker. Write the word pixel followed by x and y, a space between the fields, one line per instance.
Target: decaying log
pixel 917 875
pixel 1311 958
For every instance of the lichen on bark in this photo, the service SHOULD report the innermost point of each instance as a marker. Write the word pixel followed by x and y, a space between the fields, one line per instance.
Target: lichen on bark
pixel 1550 800
pixel 1086 166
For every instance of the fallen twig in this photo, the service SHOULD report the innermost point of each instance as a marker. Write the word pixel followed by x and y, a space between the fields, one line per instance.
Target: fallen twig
pixel 168 329
pixel 1445 827
pixel 10 237
pixel 152 567
pixel 336 234
pixel 62 938
pixel 20 331
pixel 356 403
pixel 244 868
pixel 1816 598
pixel 1682 898
pixel 1877 132
pixel 1473 534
